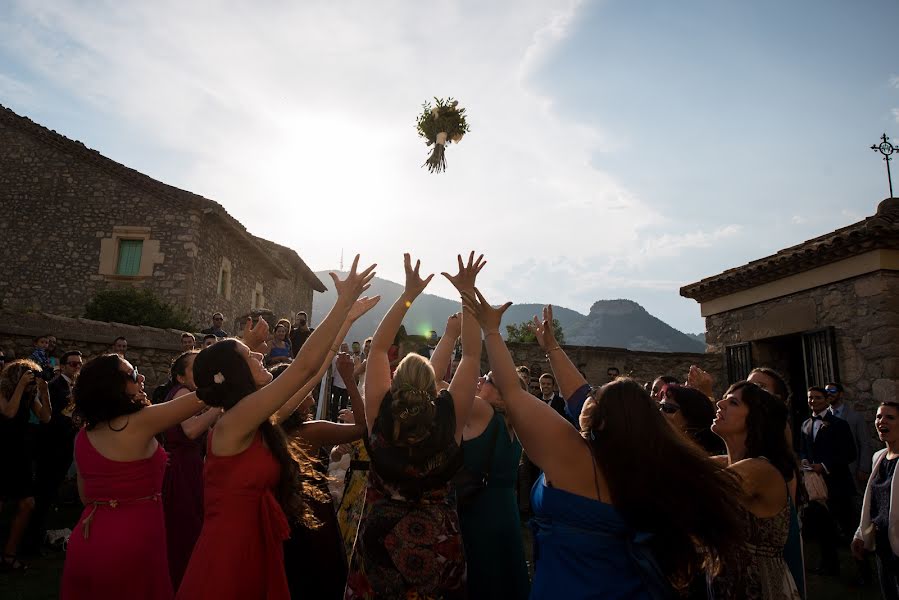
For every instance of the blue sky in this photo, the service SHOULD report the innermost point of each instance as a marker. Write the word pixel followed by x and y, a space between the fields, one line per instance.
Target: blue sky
pixel 618 149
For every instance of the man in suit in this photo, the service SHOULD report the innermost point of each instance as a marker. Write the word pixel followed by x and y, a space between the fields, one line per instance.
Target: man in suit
pixel 827 448
pixel 864 448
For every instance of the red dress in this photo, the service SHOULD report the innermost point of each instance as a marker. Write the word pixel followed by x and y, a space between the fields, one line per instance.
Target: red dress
pixel 240 553
pixel 118 549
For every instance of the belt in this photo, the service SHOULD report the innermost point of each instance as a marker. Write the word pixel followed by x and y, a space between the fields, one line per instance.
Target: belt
pixel 86 524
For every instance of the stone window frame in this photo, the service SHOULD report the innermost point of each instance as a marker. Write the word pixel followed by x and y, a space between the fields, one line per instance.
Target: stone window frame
pixel 109 252
pixel 223 288
pixel 257 296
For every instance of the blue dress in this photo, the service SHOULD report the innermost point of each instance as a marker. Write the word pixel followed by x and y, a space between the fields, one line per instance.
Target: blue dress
pixel 584 549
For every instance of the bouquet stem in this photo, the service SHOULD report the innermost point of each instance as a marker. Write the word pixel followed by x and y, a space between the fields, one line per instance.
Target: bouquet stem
pixel 437 161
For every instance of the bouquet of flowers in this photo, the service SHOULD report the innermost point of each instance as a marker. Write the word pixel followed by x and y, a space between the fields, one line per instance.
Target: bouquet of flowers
pixel 441 124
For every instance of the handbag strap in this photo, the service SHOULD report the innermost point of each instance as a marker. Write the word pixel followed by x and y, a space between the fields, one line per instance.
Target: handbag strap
pixel 488 465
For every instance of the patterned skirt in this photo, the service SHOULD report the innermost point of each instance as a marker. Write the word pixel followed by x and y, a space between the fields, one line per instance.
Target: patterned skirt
pixel 407 550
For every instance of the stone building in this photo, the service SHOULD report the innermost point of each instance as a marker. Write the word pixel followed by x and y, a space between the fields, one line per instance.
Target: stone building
pixel 75 222
pixel 824 310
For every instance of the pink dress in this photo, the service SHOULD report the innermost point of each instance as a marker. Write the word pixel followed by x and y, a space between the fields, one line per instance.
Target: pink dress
pixel 240 553
pixel 118 548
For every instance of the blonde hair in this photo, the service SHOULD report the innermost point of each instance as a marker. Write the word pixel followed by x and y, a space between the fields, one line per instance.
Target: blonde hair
pixel 413 390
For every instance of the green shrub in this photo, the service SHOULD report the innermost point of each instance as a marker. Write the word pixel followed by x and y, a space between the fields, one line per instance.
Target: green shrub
pixel 523 332
pixel 134 306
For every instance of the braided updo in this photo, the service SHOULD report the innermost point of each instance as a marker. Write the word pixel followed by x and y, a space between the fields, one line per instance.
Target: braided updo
pixel 413 390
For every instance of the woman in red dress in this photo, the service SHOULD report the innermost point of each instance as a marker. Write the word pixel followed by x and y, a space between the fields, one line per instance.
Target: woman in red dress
pixel 118 549
pixel 255 481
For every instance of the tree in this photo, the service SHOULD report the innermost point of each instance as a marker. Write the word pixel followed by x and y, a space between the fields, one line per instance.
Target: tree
pixel 133 306
pixel 523 332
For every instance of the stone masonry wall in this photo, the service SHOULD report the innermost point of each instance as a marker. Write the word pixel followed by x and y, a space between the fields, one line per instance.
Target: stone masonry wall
pixel 284 297
pixel 151 349
pixel 864 312
pixel 642 366
pixel 56 209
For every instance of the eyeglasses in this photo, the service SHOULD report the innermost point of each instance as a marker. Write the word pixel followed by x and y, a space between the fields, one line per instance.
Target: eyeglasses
pixel 133 375
pixel 74 364
pixel 668 407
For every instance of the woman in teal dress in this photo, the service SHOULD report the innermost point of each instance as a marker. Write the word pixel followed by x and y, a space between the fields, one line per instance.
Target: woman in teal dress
pixel 491 531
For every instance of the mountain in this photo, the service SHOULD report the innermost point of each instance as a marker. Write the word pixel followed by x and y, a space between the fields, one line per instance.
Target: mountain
pixel 614 323
pixel 626 324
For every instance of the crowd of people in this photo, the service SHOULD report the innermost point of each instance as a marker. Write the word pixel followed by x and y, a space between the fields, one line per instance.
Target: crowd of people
pixel 219 486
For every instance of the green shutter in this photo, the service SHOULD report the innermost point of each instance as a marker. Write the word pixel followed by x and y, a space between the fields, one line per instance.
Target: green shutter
pixel 129 257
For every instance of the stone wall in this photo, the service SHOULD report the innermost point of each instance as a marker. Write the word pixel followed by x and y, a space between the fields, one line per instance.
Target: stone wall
pixel 864 312
pixel 642 366
pixel 56 209
pixel 151 349
pixel 63 204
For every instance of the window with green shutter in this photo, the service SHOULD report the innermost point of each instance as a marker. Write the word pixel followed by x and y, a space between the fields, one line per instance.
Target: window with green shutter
pixel 129 257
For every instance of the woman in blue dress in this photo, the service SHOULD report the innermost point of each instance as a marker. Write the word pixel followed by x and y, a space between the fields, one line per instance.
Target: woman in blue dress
pixel 624 509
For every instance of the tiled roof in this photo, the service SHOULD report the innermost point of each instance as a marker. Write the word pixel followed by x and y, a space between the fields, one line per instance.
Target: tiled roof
pixel 878 232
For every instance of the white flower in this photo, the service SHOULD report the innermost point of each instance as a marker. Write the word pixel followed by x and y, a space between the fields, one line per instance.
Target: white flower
pixel 218 378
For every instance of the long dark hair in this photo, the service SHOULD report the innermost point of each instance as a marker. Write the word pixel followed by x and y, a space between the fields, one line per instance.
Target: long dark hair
pixel 296 466
pixel 663 484
pixel 765 424
pixel 99 391
pixel 696 407
pixel 783 390
pixel 178 368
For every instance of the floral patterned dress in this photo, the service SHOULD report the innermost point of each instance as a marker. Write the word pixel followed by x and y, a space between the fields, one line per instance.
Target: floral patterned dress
pixel 409 544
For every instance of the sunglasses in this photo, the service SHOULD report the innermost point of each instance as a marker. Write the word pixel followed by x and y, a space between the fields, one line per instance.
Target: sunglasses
pixel 74 364
pixel 133 375
pixel 831 390
pixel 669 408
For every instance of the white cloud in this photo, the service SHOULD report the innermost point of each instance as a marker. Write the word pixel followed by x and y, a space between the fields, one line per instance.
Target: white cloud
pixel 895 112
pixel 798 220
pixel 894 81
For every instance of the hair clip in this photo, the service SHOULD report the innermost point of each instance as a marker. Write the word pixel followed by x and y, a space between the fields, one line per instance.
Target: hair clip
pixel 218 378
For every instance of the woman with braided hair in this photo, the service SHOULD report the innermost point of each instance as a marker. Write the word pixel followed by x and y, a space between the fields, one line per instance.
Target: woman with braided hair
pixel 409 543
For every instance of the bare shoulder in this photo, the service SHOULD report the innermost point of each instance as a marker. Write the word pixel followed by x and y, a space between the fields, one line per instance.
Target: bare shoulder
pixel 760 478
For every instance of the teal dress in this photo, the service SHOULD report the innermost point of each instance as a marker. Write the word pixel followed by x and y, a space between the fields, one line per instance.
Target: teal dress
pixel 491 530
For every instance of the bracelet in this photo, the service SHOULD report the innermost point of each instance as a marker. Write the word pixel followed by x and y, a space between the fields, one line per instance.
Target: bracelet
pixel 553 349
pixel 489 333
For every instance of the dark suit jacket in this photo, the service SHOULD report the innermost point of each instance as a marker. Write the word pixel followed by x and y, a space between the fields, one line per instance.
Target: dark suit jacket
pixel 834 448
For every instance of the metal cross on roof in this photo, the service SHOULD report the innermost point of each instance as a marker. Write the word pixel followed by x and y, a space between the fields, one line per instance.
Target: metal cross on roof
pixel 886 148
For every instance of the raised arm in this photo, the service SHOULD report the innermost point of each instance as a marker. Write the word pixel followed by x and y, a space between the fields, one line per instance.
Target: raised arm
pixel 549 440
pixel 377 372
pixel 41 404
pixel 443 353
pixel 10 406
pixel 328 433
pixel 465 381
pixel 237 425
pixel 360 307
pixel 565 372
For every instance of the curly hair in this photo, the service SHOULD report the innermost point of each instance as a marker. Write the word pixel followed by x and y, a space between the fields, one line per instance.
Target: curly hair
pixel 413 390
pixel 765 424
pixel 12 373
pixel 99 391
pixel 663 484
pixel 297 484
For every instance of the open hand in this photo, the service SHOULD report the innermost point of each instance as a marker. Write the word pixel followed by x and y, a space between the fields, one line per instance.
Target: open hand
pixel 355 282
pixel 256 336
pixel 345 366
pixel 415 285
pixel 362 306
pixel 487 316
pixel 543 330
pixel 858 549
pixel 700 380
pixel 465 278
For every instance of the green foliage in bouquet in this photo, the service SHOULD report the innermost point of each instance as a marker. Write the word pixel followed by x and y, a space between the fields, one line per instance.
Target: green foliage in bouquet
pixel 441 124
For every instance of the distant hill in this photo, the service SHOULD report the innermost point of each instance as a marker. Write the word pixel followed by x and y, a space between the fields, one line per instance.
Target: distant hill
pixel 615 323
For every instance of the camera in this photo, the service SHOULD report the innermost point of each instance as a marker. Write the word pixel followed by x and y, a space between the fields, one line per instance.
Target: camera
pixel 45 375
